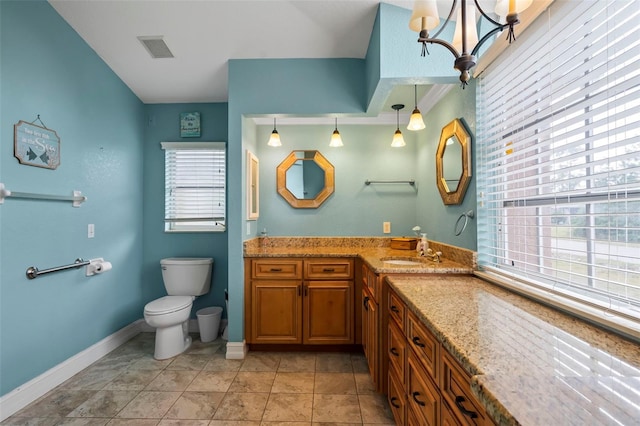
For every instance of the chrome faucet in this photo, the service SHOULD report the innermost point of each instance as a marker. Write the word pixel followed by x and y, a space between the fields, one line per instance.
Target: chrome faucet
pixel 431 255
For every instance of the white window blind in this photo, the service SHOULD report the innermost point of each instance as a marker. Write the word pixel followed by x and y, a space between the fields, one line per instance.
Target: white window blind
pixel 559 157
pixel 195 186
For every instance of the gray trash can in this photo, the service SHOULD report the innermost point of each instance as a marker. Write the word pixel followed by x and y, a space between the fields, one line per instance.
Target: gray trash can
pixel 209 323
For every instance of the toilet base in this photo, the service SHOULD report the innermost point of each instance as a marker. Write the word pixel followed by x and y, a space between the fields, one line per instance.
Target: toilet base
pixel 171 341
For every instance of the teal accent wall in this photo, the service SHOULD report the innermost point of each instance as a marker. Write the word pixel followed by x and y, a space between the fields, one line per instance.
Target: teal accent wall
pixel 434 217
pixel 47 69
pixel 355 209
pixel 163 125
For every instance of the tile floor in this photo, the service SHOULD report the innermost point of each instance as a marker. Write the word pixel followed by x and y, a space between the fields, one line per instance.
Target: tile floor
pixel 200 387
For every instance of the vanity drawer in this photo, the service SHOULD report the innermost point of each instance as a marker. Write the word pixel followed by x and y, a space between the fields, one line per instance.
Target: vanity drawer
pixel 424 344
pixel 422 395
pixel 273 269
pixel 456 390
pixel 396 398
pixel 318 269
pixel 371 281
pixel 397 309
pixel 397 350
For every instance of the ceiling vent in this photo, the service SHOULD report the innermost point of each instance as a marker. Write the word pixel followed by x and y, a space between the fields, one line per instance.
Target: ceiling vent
pixel 156 47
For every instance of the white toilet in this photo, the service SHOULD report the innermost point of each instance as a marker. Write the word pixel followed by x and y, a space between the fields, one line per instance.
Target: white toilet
pixel 184 278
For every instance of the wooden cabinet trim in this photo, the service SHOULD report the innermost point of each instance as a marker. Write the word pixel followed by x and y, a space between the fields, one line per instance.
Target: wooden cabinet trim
pixel 425 345
pixel 328 268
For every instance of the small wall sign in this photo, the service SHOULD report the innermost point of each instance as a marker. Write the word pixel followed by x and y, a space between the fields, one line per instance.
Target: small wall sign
pixel 36 146
pixel 190 124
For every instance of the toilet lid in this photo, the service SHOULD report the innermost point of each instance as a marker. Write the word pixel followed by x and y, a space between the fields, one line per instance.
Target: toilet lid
pixel 167 304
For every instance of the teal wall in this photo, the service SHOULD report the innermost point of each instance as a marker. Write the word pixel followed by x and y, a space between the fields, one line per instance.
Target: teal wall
pixel 355 209
pixel 48 70
pixel 111 152
pixel 163 125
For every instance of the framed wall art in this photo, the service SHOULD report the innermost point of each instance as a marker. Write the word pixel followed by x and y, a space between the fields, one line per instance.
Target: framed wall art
pixel 189 124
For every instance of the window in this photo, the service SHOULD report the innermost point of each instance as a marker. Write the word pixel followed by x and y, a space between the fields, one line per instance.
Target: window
pixel 559 159
pixel 195 186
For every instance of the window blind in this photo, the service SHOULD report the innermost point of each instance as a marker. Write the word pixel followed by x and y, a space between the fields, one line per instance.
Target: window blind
pixel 559 156
pixel 195 186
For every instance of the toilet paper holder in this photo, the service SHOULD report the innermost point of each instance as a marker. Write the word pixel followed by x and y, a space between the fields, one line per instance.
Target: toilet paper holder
pixel 97 266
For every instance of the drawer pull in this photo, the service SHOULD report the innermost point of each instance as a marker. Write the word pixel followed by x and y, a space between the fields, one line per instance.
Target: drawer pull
pixel 366 303
pixel 414 395
pixel 394 403
pixel 459 401
pixel 416 341
pixel 394 309
pixel 394 352
pixel 328 270
pixel 275 270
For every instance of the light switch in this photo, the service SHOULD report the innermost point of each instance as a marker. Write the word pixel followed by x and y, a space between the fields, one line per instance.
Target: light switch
pixel 386 227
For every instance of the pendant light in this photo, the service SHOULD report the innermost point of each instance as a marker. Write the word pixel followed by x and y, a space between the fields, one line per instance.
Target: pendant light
pixel 398 140
pixel 274 140
pixel 336 140
pixel 416 122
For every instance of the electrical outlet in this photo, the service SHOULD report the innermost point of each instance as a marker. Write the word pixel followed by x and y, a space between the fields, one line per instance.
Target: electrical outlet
pixel 386 227
pixel 91 230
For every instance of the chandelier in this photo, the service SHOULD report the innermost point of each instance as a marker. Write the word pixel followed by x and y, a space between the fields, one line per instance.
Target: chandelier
pixel 465 44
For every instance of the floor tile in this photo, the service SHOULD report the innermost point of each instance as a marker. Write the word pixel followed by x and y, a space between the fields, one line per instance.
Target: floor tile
pixel 334 363
pixel 234 423
pixel 189 362
pixel 293 383
pixel 149 404
pixel 296 362
pixel 91 379
pixel 173 422
pixel 364 383
pixel 374 409
pixel 242 406
pixel 336 408
pixel 261 361
pixel 195 405
pixel 133 422
pixel 252 381
pixel 212 381
pixel 288 407
pixel 132 380
pixel 218 362
pixel 335 383
pixel 105 403
pixel 77 421
pixel 172 380
pixel 57 403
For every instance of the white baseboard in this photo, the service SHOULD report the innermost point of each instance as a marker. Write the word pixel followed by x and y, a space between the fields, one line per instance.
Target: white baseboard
pixel 236 350
pixel 25 394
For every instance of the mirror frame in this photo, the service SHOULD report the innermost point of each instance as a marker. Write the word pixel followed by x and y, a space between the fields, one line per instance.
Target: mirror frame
pixel 329 181
pixel 455 128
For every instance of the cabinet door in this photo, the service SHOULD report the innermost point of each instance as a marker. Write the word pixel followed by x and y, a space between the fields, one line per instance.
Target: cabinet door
pixel 370 335
pixel 276 311
pixel 328 312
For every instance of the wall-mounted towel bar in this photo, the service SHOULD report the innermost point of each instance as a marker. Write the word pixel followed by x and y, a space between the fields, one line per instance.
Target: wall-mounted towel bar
pixel 410 182
pixel 77 198
pixel 33 272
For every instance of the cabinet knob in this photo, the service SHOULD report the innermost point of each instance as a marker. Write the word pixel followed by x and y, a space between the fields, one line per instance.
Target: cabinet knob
pixel 394 352
pixel 416 341
pixel 459 401
pixel 394 309
pixel 366 302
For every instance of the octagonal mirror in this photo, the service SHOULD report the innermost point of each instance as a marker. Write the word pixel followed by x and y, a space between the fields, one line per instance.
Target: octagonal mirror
pixel 305 179
pixel 453 162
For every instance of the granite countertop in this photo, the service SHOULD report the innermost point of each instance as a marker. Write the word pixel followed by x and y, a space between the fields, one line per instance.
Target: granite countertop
pixel 372 250
pixel 531 365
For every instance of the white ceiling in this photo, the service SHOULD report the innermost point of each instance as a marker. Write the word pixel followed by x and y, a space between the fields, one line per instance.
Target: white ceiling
pixel 203 35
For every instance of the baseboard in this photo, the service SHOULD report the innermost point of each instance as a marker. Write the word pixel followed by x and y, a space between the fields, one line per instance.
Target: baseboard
pixel 236 350
pixel 25 394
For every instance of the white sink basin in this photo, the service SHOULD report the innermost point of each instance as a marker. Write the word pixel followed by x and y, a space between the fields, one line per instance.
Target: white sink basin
pixel 402 262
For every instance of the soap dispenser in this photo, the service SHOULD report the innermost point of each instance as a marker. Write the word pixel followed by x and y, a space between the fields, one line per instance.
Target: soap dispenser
pixel 423 245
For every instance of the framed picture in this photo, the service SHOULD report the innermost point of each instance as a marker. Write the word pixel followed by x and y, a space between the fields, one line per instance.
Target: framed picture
pixel 253 186
pixel 189 124
pixel 35 145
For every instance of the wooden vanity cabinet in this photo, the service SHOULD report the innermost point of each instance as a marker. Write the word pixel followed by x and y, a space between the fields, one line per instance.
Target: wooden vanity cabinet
pixel 299 301
pixel 371 325
pixel 437 390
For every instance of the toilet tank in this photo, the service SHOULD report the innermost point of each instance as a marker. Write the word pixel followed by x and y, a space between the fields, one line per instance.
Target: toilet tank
pixel 187 276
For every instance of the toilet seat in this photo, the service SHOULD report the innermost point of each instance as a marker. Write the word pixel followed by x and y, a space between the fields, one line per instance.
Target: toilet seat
pixel 167 304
